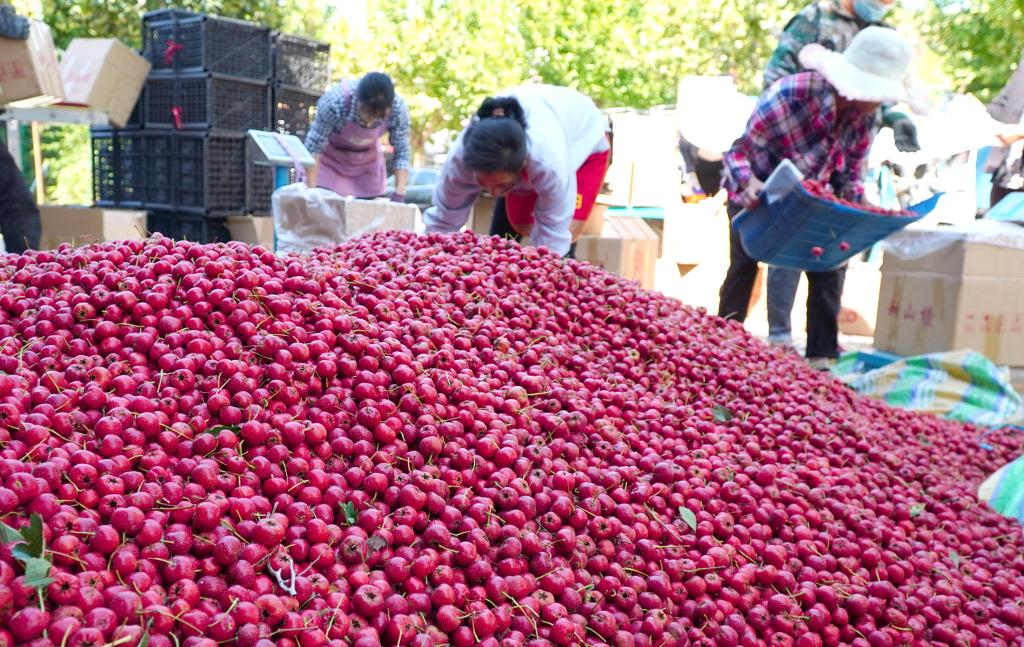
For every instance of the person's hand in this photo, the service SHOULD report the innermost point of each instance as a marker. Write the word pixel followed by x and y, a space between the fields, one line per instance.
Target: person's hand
pixel 750 197
pixel 905 134
pixel 395 196
pixel 576 228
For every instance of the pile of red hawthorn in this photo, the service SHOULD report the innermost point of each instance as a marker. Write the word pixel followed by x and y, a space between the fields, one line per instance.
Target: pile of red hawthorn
pixel 457 441
pixel 824 191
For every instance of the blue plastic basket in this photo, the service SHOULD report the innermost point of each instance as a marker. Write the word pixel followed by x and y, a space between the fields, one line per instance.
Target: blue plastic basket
pixel 785 232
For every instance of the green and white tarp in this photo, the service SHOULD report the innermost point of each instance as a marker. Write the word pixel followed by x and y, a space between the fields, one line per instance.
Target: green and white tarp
pixel 959 385
pixel 1004 490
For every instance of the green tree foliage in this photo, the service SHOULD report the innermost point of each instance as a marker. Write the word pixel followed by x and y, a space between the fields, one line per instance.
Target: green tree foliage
pixel 981 41
pixel 446 55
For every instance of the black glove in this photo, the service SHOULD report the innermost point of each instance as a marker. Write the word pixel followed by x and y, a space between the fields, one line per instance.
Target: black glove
pixel 905 133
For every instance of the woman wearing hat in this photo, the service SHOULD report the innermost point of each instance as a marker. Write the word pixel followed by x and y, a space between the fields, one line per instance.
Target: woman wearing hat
pixel 832 24
pixel 345 137
pixel 823 121
pixel 542 151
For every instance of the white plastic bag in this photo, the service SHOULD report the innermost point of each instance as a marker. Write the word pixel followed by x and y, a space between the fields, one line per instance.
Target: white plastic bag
pixel 918 241
pixel 306 218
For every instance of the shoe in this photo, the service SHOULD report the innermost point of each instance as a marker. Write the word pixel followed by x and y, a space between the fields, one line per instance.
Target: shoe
pixel 821 363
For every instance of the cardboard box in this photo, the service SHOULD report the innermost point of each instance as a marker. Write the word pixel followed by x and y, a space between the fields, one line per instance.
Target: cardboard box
pixel 595 223
pixel 85 225
pixel 480 218
pixel 964 296
pixel 29 74
pixel 627 247
pixel 103 73
pixel 252 230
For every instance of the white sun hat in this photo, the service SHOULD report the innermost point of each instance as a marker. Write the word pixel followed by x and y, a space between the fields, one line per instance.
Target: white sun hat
pixel 873 68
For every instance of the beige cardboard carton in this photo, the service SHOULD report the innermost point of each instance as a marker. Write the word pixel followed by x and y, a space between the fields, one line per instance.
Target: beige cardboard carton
pixel 29 74
pixel 104 74
pixel 967 295
pixel 627 247
pixel 252 230
pixel 85 225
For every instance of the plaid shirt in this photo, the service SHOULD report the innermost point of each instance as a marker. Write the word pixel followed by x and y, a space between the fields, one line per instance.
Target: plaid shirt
pixel 333 113
pixel 797 119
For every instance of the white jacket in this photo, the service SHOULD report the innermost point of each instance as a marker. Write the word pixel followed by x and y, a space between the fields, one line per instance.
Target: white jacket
pixel 563 129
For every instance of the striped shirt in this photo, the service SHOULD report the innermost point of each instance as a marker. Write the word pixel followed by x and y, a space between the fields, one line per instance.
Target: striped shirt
pixel 334 112
pixel 797 119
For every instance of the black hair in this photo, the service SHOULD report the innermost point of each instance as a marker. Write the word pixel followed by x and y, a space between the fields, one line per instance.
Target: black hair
pixel 376 93
pixel 496 140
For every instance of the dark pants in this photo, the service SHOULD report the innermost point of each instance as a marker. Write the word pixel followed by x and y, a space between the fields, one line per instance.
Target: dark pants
pixel 823 296
pixel 500 226
pixel 19 215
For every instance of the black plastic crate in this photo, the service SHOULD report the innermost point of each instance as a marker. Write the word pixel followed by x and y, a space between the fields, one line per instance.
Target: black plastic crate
pixel 182 42
pixel 209 173
pixel 258 189
pixel 136 120
pixel 302 63
pixel 187 226
pixel 158 183
pixel 118 158
pixel 131 149
pixel 106 184
pixel 294 110
pixel 207 102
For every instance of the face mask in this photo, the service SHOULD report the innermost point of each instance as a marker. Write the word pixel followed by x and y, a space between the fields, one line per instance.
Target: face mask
pixel 870 10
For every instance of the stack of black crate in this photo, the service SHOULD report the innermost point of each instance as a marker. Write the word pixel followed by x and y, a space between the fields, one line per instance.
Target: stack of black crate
pixel 210 83
pixel 183 155
pixel 301 70
pixel 184 161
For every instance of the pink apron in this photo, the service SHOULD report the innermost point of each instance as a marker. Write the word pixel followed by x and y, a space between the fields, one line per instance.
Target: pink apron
pixel 352 162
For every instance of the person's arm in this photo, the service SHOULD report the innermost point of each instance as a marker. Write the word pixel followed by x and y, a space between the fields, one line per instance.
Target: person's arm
pixel 398 134
pixel 771 117
pixel 849 184
pixel 801 30
pixel 454 196
pixel 555 185
pixel 328 117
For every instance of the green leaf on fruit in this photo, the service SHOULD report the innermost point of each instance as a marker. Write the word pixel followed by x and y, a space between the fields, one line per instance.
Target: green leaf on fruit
pixel 955 558
pixel 20 552
pixel 37 573
pixel 33 535
pixel 215 431
pixel 688 517
pixel 144 641
pixel 721 413
pixel 916 510
pixel 9 535
pixel 349 510
pixel 376 543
